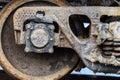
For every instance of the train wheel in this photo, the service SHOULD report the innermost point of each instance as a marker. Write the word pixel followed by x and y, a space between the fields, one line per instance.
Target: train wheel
pixel 32 66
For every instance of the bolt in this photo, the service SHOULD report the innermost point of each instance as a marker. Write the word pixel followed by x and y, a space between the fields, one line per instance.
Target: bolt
pixel 51 39
pixel 39 50
pixel 51 50
pixel 27 37
pixel 40 14
pixel 27 49
pixel 28 26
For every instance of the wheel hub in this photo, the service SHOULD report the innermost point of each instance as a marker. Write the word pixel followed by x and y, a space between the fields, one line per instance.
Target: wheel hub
pixel 39 37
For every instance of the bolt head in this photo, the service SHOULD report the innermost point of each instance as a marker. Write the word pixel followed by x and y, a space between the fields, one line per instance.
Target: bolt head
pixel 51 50
pixel 27 37
pixel 28 26
pixel 27 49
pixel 51 39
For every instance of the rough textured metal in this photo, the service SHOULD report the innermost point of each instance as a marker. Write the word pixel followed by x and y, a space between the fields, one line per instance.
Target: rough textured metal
pixel 51 14
pixel 94 14
pixel 31 66
pixel 39 38
pixel 88 49
pixel 108 37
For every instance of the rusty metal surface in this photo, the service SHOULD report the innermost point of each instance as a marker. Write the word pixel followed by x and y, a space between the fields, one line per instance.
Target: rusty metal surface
pixel 31 66
pixel 94 14
pixel 89 49
pixel 38 37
